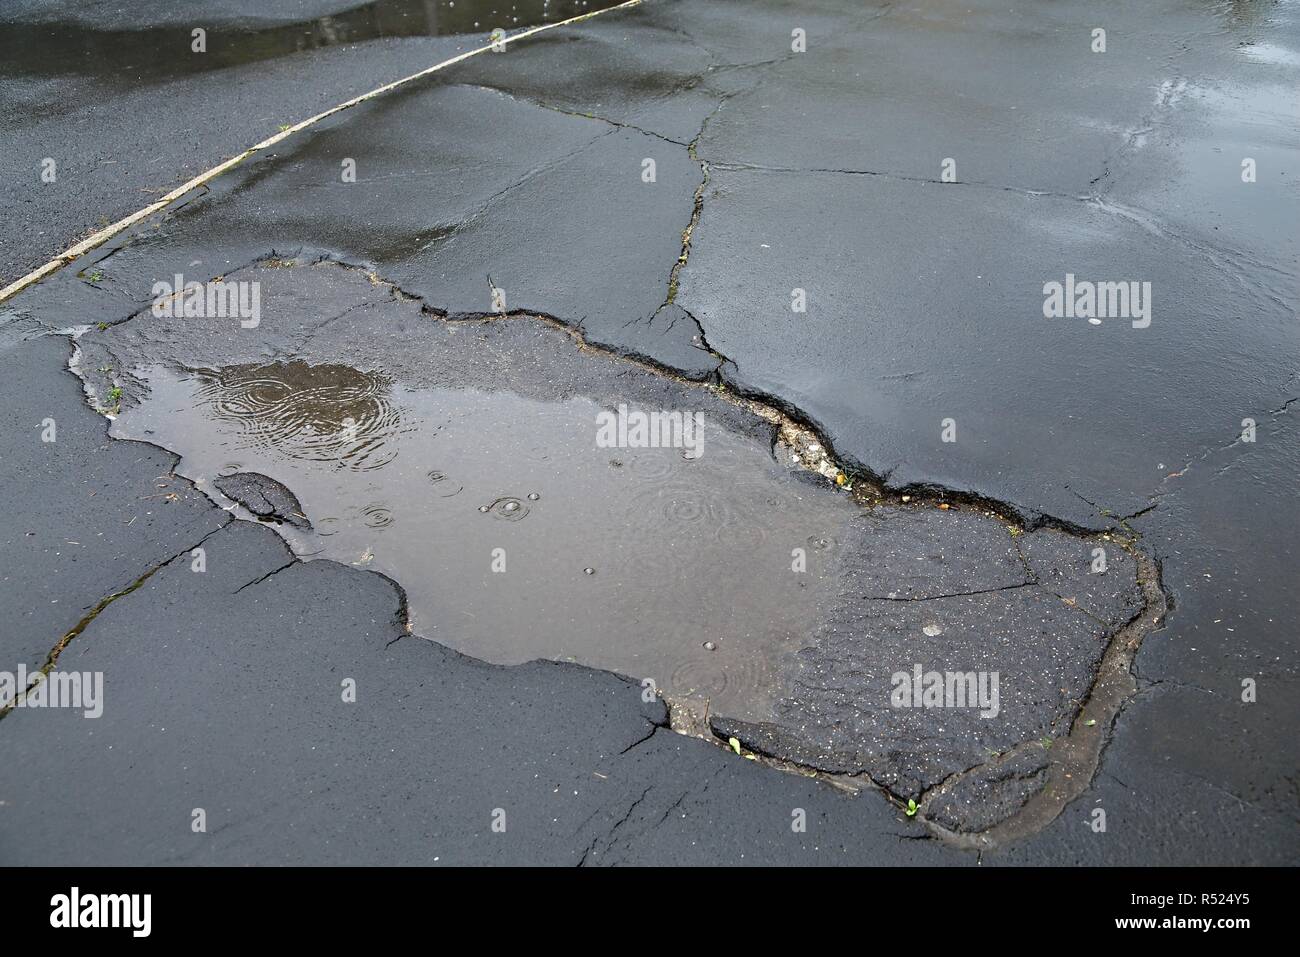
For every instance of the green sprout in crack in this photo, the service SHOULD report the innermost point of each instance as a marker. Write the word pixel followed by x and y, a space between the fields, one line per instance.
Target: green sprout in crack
pixel 911 807
pixel 101 326
pixel 96 276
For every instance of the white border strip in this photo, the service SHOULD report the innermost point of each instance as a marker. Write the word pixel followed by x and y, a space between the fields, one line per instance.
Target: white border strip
pixel 104 235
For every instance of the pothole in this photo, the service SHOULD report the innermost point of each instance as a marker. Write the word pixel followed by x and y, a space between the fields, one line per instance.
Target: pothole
pixel 912 646
pixel 691 583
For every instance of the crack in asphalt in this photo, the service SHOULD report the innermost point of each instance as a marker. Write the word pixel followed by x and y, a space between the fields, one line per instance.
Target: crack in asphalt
pixel 740 166
pixel 1225 260
pixel 542 104
pixel 274 571
pixel 477 214
pixel 52 658
pixel 696 210
pixel 655 727
pixel 1162 489
pixel 956 594
pixel 681 799
pixel 609 835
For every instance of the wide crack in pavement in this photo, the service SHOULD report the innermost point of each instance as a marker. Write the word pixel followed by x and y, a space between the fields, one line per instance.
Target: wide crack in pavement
pixel 933 648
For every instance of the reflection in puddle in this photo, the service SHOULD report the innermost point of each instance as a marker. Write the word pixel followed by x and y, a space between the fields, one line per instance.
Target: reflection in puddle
pixel 319 413
pixel 514 536
pixel 1271 53
pixel 76 47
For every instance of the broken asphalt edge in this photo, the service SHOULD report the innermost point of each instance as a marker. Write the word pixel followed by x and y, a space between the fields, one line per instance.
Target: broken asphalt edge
pixel 1075 757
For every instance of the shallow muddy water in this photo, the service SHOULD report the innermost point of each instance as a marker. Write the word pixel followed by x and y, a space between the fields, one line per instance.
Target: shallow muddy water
pixel 640 560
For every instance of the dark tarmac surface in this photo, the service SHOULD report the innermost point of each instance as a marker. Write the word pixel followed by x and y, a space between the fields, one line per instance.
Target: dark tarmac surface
pixel 115 95
pixel 821 171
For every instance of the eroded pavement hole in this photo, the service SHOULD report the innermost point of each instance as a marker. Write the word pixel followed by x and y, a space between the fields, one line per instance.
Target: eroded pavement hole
pixel 943 654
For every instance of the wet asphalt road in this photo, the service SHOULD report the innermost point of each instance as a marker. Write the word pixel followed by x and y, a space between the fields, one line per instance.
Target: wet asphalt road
pixel 822 171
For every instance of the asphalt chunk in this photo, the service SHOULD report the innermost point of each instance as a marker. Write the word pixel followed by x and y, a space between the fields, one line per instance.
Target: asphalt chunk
pixel 262 495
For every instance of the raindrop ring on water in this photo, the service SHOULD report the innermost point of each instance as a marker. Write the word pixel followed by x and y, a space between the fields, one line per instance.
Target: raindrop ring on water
pixel 377 516
pixel 443 486
pixel 507 508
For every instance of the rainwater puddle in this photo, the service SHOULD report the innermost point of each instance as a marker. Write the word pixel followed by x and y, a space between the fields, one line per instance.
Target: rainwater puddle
pixel 637 560
pixel 82 47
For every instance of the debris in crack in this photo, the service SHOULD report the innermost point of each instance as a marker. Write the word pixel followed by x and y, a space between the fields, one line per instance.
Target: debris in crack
pixel 990 793
pixel 697 208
